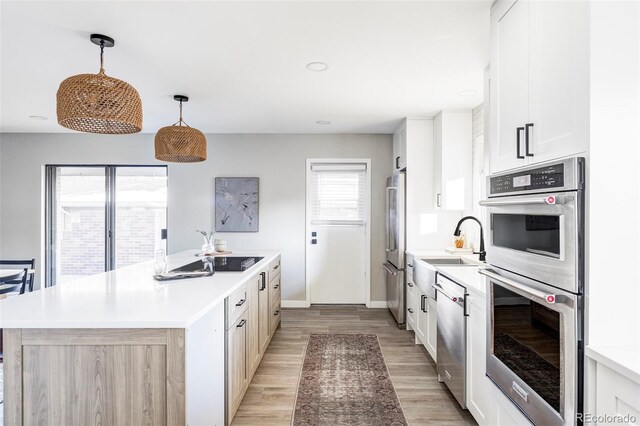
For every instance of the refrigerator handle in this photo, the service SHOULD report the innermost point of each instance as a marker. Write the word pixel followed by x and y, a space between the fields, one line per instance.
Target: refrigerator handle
pixel 391 227
pixel 387 237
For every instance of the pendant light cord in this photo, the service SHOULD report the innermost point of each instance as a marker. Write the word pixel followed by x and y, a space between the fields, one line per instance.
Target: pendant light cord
pixel 101 56
pixel 180 121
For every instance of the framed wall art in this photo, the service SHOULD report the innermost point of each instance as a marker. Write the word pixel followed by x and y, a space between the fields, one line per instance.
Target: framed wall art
pixel 236 201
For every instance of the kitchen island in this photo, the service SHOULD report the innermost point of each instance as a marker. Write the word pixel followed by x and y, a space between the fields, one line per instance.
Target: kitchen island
pixel 123 348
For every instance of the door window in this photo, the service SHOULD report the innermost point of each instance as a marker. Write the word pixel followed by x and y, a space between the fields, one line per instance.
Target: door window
pixel 338 193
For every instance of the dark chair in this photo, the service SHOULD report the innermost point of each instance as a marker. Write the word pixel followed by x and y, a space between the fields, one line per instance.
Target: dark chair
pixel 21 281
pixel 24 280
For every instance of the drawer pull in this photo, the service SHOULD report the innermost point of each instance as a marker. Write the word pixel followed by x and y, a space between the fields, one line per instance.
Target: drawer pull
pixel 423 308
pixel 409 284
pixel 410 310
pixel 275 287
pixel 241 302
pixel 276 267
pixel 518 130
pixel 241 323
pixel 275 314
pixel 263 281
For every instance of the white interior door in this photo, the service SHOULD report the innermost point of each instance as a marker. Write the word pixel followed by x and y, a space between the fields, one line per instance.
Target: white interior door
pixel 338 210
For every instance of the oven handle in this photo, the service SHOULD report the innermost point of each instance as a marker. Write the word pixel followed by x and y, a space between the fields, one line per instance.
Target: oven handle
pixel 549 200
pixel 513 285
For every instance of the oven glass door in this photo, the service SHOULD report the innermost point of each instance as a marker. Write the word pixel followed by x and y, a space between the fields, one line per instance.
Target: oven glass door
pixel 527 339
pixel 534 346
pixel 539 234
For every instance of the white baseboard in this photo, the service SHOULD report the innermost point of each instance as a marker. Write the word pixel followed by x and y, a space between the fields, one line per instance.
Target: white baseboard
pixel 378 304
pixel 294 304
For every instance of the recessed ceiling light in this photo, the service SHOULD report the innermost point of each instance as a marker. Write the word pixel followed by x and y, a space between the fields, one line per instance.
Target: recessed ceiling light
pixel 323 122
pixel 37 117
pixel 467 93
pixel 317 66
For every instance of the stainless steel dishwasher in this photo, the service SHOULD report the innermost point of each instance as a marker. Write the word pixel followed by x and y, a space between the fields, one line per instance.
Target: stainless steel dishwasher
pixel 452 336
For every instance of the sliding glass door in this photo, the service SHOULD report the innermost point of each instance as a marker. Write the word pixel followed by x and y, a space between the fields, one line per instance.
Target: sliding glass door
pixel 103 217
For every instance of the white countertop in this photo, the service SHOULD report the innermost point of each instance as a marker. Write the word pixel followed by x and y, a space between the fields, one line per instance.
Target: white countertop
pixel 467 276
pixel 128 297
pixel 464 275
pixel 625 360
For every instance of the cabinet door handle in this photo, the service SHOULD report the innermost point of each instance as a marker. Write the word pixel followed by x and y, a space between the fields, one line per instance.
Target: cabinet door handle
pixel 422 299
pixel 263 284
pixel 410 310
pixel 439 199
pixel 241 323
pixel 409 284
pixel 275 287
pixel 397 162
pixel 518 130
pixel 526 139
pixel 276 267
pixel 275 314
pixel 241 302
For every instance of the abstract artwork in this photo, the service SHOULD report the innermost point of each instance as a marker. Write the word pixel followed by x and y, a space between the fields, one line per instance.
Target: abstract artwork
pixel 237 204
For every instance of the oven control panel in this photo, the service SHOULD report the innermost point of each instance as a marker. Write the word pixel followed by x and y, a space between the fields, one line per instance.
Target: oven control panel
pixel 547 177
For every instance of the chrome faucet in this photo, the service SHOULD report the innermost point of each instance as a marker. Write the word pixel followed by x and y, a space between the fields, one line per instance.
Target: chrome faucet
pixel 482 252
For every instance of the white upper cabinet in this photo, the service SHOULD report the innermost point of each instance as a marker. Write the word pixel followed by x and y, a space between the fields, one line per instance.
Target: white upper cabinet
pixel 539 81
pixel 452 155
pixel 400 149
pixel 509 83
pixel 559 97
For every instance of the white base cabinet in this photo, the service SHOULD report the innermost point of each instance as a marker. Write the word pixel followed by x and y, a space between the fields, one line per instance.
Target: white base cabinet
pixel 412 297
pixel 612 391
pixel 422 317
pixel 479 386
pixel 432 328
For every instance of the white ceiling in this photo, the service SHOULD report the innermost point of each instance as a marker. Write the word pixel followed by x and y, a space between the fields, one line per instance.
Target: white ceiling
pixel 243 63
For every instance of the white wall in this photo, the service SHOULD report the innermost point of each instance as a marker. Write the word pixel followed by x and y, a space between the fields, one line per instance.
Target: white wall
pixel 277 159
pixel 613 179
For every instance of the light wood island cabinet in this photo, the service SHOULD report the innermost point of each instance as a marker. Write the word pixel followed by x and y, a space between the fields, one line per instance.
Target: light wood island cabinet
pixel 122 349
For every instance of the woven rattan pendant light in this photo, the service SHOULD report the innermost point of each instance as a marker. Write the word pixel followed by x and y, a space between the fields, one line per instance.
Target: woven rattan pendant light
pixel 97 103
pixel 180 143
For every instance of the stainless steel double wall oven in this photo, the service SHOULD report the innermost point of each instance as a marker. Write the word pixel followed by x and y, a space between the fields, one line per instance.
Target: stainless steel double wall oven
pixel 535 288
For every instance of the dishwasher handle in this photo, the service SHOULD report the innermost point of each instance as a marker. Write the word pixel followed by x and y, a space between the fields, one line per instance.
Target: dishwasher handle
pixel 455 299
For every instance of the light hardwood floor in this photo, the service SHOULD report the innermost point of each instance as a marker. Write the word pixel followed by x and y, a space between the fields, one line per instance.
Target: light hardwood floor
pixel 271 395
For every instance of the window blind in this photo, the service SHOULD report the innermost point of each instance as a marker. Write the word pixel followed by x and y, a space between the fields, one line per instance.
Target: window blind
pixel 338 193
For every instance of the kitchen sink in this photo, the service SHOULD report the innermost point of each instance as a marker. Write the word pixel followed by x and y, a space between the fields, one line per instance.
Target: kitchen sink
pixel 424 270
pixel 452 261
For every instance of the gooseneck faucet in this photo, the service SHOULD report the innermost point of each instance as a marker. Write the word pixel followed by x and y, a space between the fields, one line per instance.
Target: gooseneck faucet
pixel 482 252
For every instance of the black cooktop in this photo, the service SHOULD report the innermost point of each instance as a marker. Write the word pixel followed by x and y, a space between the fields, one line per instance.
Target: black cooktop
pixel 220 264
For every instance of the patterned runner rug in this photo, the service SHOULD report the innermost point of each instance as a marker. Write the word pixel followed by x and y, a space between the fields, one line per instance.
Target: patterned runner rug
pixel 344 381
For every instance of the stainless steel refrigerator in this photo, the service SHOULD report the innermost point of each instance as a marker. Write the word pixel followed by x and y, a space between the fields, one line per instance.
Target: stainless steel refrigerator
pixel 395 246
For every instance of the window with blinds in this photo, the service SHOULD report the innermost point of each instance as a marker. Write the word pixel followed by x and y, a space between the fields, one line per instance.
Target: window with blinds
pixel 338 193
